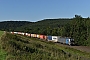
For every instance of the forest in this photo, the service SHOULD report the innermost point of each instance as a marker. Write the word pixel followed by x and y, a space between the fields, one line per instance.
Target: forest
pixel 76 27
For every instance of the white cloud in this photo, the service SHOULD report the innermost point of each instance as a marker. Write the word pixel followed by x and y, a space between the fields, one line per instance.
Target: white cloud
pixel 14 20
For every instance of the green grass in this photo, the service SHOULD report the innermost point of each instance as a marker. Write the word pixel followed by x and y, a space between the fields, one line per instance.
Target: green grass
pixel 25 48
pixel 1 32
pixel 2 52
pixel 68 50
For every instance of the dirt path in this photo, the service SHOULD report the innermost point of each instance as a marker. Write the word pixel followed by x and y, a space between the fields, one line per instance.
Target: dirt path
pixel 81 48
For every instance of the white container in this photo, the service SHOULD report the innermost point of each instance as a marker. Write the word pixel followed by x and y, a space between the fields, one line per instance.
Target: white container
pixel 31 35
pixel 38 35
pixel 55 38
pixel 23 33
pixel 15 32
pixel 26 34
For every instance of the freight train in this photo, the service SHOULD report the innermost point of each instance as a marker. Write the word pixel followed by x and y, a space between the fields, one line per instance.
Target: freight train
pixel 64 40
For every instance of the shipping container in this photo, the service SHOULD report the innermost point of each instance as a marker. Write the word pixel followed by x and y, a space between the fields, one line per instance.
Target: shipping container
pixel 15 32
pixel 31 35
pixel 34 35
pixel 45 37
pixel 55 38
pixel 22 33
pixel 28 34
pixel 41 37
pixel 38 36
pixel 18 32
pixel 12 32
pixel 49 38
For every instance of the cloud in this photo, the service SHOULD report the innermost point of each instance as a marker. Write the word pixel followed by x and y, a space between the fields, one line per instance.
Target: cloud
pixel 14 20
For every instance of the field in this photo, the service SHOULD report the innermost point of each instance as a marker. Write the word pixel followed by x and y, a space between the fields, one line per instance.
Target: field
pixel 25 48
pixel 2 52
pixel 1 32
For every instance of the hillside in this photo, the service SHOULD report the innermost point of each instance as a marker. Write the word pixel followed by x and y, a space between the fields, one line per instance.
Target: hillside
pixel 2 52
pixel 25 48
pixel 18 25
pixel 40 27
pixel 12 25
pixel 77 28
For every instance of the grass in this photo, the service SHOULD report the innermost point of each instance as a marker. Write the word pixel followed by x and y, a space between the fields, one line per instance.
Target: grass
pixel 69 50
pixel 2 52
pixel 25 48
pixel 2 55
pixel 1 32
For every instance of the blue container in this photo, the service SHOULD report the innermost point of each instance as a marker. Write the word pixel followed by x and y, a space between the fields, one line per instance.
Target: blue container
pixel 49 37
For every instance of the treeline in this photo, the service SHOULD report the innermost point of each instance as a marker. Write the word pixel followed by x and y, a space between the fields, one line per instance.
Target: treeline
pixel 12 25
pixel 34 27
pixel 46 27
pixel 77 28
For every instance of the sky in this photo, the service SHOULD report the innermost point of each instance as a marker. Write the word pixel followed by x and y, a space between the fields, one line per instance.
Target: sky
pixel 35 10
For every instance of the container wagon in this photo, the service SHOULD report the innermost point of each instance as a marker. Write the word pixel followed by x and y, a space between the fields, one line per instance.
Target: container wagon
pixel 38 36
pixel 15 32
pixel 43 37
pixel 52 38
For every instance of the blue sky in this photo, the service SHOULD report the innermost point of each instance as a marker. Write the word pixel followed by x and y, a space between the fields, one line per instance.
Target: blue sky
pixel 34 10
